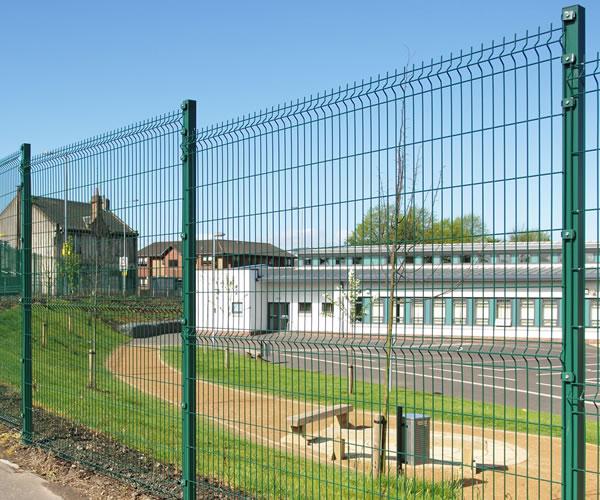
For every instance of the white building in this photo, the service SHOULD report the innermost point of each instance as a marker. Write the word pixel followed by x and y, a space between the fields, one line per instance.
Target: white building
pixel 475 289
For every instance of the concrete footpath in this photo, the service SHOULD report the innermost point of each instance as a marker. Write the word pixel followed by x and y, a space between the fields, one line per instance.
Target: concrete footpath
pixel 17 484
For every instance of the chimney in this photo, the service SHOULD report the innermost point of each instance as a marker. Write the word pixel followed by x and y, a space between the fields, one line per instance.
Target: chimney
pixel 96 205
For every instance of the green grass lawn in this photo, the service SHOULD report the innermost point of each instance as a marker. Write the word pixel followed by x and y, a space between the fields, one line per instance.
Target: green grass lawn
pixel 255 375
pixel 60 374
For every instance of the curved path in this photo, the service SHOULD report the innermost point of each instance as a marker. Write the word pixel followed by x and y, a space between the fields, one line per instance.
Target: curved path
pixel 262 418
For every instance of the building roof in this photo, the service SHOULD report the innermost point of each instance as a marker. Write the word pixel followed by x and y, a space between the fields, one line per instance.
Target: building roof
pixel 222 248
pixel 420 248
pixel 444 274
pixel 78 214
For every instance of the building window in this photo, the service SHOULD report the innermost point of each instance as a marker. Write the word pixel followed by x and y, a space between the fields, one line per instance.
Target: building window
pixel 357 260
pixel 439 311
pixel 503 313
pixel 594 312
pixel 550 312
pixel 446 259
pixel 327 308
pixel 172 263
pixel 236 308
pixel 399 315
pixel 428 259
pixel 377 310
pixel 304 307
pixel 460 312
pixel 418 312
pixel 527 313
pixel 482 312
pixel 466 259
pixel 409 259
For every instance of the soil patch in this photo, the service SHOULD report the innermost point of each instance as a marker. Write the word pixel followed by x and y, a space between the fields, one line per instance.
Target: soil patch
pixel 65 453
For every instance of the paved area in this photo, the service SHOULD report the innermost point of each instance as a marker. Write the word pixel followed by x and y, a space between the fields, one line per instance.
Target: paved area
pixel 17 484
pixel 516 373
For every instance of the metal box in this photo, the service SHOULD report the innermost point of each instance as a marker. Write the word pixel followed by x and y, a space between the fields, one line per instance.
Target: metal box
pixel 416 438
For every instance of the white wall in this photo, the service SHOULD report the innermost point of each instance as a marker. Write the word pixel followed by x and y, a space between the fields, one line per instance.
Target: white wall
pixel 217 290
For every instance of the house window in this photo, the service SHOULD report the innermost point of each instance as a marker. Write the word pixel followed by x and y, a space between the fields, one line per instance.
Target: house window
pixel 307 262
pixel 550 312
pixel 439 312
pixel 173 263
pixel 236 308
pixel 460 312
pixel 327 308
pixel 482 312
pixel 418 311
pixel 527 313
pixel 377 310
pixel 304 307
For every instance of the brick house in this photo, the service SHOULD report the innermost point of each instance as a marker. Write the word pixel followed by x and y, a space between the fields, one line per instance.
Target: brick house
pixel 160 263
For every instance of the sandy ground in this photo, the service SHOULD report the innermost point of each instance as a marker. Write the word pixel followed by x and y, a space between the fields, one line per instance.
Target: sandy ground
pixel 530 463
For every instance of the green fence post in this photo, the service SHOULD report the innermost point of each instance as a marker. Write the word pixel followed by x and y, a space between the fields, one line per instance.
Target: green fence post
pixel 26 371
pixel 573 235
pixel 188 405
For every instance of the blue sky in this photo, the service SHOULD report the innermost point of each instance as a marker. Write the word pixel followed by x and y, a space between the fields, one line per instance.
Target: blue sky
pixel 74 69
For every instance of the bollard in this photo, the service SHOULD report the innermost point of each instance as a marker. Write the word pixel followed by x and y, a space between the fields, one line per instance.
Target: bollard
pixel 378 440
pixel 399 439
pixel 44 333
pixel 350 379
pixel 92 369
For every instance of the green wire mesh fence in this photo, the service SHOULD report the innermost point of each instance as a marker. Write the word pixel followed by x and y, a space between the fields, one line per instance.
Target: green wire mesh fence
pixel 372 291
pixel 10 286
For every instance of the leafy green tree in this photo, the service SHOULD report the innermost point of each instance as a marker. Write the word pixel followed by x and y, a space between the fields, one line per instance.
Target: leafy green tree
pixel 380 226
pixel 525 236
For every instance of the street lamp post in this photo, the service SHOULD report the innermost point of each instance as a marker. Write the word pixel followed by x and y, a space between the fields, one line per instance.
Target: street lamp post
pixel 125 264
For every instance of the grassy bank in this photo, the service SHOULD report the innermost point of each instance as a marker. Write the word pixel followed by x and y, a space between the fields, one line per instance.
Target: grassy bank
pixel 123 415
pixel 255 375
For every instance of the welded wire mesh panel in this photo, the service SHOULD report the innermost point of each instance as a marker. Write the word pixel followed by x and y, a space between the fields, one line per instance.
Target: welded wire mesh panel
pixel 591 391
pixel 10 286
pixel 379 284
pixel 106 224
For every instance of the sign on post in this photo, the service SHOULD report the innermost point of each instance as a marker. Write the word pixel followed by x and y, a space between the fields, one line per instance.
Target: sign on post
pixel 124 265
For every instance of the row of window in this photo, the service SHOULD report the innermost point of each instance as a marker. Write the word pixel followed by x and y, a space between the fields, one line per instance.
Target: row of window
pixel 483 312
pixel 496 258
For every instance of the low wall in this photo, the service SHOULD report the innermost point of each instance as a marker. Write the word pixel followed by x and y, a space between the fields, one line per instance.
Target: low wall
pixel 145 330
